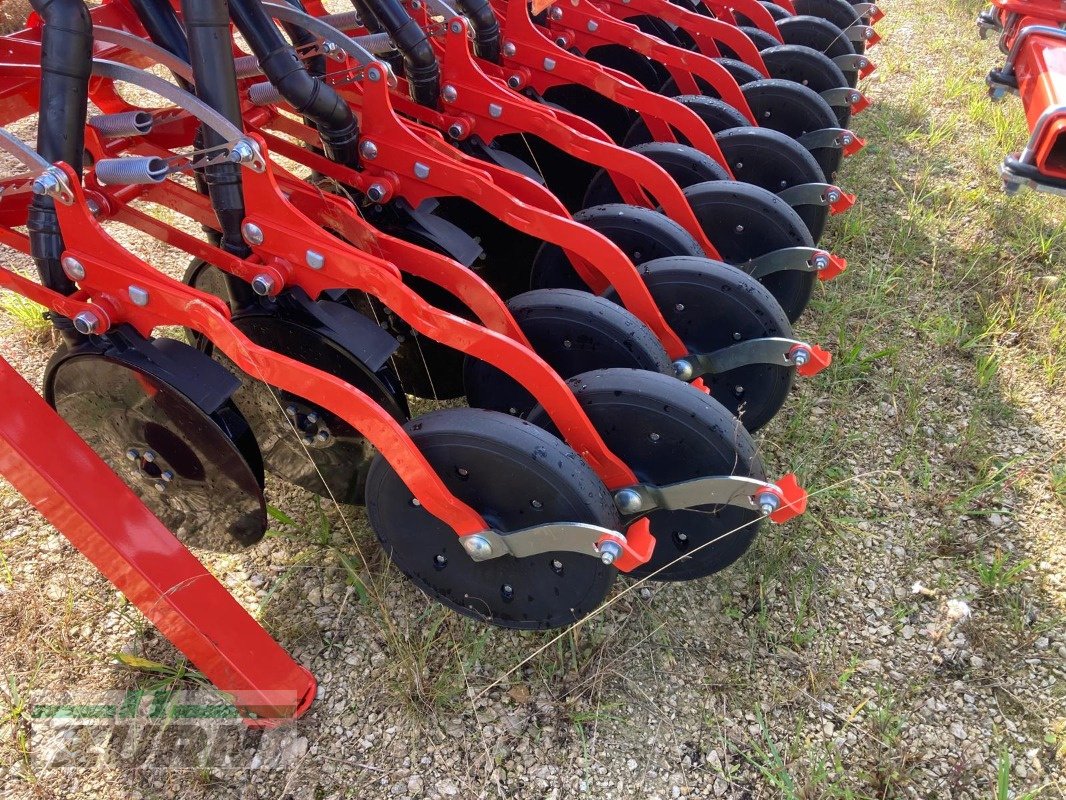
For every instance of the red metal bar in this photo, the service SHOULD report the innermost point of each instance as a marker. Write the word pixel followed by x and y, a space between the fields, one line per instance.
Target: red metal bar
pixel 79 494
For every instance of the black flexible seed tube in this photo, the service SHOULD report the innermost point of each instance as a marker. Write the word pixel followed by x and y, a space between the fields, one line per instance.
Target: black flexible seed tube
pixel 420 62
pixel 278 60
pixel 66 63
pixel 486 28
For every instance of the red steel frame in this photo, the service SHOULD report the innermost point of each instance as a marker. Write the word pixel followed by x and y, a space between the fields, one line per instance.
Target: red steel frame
pixel 100 515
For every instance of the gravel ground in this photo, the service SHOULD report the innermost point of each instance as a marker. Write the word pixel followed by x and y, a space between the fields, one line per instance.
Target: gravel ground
pixel 903 639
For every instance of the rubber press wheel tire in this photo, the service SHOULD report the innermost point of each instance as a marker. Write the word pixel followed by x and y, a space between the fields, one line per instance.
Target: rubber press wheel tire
pixel 758 36
pixel 716 114
pixel 806 66
pixel 794 110
pixel 743 222
pixel 839 12
pixel 642 234
pixel 574 331
pixel 686 165
pixel 516 475
pixel 711 306
pixel 768 158
pixel 667 431
pixel 741 71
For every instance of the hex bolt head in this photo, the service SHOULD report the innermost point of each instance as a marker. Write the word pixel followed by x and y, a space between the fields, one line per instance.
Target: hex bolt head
pixel 166 476
pixel 252 233
pixel 560 41
pixel 609 551
pixel 374 74
pixel 74 268
pixel 149 456
pixel 509 49
pixel 820 262
pixel 376 192
pixel 456 27
pixel 514 81
pixel 316 260
pixel 323 436
pixel 768 503
pixel 628 501
pixel 448 93
pixel 846 139
pixel 160 486
pixel 683 370
pixel 832 196
pixel 133 454
pixel 456 130
pixel 138 296
pixel 477 546
pixel 86 323
pixel 801 356
pixel 368 150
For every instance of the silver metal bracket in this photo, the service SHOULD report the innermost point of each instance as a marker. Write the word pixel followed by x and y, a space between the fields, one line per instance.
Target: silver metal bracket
pixel 802 259
pixel 725 490
pixel 859 33
pixel 852 62
pixel 841 97
pixel 837 138
pixel 769 350
pixel 562 537
pixel 810 194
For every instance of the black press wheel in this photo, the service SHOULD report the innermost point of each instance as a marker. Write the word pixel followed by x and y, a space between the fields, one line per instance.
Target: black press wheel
pixel 716 114
pixel 711 306
pixel 769 159
pixel 515 475
pixel 573 331
pixel 640 233
pixel 839 12
pixel 199 472
pixel 667 431
pixel 686 165
pixel 743 222
pixel 794 110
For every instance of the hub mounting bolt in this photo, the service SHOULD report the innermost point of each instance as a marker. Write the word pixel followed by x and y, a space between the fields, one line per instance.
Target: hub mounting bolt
pixel 683 370
pixel 628 501
pixel 166 476
pixel 132 454
pixel 477 546
pixel 252 233
pixel 768 503
pixel 74 268
pixel 86 322
pixel 609 551
pixel 262 285
pixel 149 456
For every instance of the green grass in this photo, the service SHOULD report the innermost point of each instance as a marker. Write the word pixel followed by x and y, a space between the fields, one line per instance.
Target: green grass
pixel 25 316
